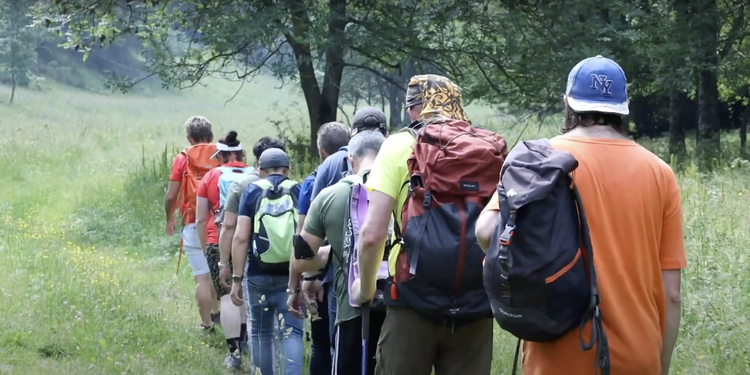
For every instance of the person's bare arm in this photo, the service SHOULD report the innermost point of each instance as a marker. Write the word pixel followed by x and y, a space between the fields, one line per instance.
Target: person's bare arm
pixel 241 242
pixel 228 226
pixel 485 226
pixel 372 240
pixel 671 280
pixel 170 199
pixel 301 223
pixel 201 219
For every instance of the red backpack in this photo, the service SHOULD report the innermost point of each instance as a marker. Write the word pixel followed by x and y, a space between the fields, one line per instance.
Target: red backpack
pixel 454 169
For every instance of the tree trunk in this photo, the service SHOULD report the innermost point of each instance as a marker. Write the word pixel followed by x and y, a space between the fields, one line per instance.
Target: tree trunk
pixel 322 105
pixel 396 100
pixel 334 68
pixel 743 133
pixel 676 130
pixel 12 87
pixel 708 147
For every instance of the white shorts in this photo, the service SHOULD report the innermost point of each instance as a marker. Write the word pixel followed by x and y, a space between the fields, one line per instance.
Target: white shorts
pixel 191 245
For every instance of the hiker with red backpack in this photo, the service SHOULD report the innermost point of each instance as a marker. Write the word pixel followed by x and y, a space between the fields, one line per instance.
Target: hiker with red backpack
pixel 585 272
pixel 212 194
pixel 336 214
pixel 434 177
pixel 188 169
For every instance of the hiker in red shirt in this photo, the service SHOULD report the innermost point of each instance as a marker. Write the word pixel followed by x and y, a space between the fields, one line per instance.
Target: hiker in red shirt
pixel 212 194
pixel 188 167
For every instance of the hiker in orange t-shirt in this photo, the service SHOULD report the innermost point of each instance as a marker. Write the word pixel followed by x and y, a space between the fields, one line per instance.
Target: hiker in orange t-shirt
pixel 188 168
pixel 634 213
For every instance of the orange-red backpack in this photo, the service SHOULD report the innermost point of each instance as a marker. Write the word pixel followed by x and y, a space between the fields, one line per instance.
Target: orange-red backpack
pixel 198 163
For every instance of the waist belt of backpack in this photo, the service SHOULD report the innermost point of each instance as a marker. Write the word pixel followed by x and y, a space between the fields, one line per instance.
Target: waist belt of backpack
pixel 453 322
pixel 594 314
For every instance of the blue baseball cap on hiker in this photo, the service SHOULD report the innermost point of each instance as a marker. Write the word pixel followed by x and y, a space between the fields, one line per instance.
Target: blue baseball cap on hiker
pixel 597 84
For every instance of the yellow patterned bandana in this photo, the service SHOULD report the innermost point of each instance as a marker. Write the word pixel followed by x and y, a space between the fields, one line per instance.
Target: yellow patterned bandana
pixel 441 97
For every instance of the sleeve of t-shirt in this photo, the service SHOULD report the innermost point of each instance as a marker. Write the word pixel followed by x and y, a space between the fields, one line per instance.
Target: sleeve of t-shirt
pixel 232 204
pixel 294 191
pixel 178 167
pixel 305 195
pixel 323 178
pixel 672 247
pixel 316 215
pixel 248 201
pixel 388 169
pixel 203 187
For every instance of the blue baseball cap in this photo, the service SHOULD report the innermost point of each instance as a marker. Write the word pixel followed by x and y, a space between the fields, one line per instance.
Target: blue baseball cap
pixel 598 84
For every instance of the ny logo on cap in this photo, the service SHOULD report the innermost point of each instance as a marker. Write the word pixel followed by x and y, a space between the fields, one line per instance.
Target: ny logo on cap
pixel 601 83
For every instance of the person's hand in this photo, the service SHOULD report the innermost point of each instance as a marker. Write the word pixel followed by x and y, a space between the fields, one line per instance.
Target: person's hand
pixel 313 290
pixel 296 305
pixel 224 275
pixel 357 292
pixel 236 294
pixel 169 228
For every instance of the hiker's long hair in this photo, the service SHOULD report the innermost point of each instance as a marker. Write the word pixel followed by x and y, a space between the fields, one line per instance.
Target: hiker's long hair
pixel 575 119
pixel 231 141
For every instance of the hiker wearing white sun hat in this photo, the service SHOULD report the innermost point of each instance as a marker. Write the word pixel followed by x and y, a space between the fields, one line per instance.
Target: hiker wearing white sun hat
pixel 220 147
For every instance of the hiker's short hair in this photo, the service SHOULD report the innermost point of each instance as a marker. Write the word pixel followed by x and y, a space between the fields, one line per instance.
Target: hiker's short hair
pixel 231 141
pixel 365 143
pixel 332 136
pixel 198 128
pixel 575 119
pixel 264 144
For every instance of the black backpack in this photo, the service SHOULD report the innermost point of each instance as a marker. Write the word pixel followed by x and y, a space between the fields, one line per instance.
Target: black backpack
pixel 539 273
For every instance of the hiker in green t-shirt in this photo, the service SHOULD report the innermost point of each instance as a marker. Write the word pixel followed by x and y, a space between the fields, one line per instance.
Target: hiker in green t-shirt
pixel 326 219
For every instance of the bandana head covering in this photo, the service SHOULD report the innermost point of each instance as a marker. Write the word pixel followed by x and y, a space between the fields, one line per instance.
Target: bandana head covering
pixel 440 96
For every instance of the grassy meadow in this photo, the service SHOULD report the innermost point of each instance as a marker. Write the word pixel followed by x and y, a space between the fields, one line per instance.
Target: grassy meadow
pixel 88 280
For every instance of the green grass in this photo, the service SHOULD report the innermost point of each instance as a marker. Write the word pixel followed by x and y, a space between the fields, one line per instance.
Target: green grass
pixel 89 283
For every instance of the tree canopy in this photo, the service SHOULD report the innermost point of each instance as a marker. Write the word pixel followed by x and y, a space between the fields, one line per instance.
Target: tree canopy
pixel 685 60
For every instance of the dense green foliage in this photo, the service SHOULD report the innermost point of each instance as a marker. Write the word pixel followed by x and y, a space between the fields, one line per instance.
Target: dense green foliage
pixel 685 59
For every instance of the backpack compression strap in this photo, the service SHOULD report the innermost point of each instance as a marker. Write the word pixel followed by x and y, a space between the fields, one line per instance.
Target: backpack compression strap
pixel 594 314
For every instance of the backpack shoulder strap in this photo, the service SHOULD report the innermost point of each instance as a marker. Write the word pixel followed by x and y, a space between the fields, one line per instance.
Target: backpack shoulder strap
pixel 594 314
pixel 263 184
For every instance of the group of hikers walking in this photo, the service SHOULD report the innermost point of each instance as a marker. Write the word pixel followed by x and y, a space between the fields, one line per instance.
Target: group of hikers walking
pixel 406 249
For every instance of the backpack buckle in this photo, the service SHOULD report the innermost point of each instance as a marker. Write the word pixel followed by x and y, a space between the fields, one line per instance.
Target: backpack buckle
pixel 507 234
pixel 427 199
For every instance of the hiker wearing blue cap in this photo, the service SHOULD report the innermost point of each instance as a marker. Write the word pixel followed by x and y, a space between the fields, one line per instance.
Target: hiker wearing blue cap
pixel 636 239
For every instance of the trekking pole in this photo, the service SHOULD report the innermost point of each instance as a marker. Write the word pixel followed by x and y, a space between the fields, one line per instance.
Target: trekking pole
pixel 365 335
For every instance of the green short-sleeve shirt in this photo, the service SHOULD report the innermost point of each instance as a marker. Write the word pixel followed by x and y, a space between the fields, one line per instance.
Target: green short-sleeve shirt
pixel 232 203
pixel 325 219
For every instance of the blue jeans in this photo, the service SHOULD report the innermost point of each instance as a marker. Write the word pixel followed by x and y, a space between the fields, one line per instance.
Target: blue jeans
pixel 267 297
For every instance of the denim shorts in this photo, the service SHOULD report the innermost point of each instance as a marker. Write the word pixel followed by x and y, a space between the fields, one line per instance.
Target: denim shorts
pixel 192 247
